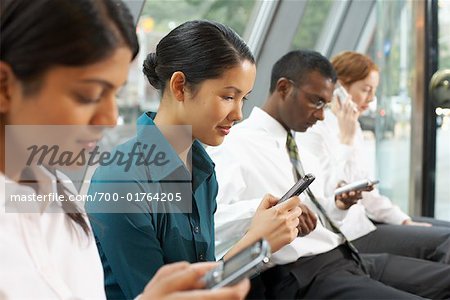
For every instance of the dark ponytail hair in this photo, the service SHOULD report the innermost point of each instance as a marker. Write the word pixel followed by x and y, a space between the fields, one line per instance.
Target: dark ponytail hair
pixel 200 49
pixel 38 35
pixel 41 34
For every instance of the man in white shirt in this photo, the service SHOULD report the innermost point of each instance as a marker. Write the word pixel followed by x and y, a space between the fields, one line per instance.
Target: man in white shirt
pixel 254 160
pixel 394 232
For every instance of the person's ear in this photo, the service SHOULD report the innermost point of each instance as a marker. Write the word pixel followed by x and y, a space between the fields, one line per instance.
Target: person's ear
pixel 177 85
pixel 8 82
pixel 283 87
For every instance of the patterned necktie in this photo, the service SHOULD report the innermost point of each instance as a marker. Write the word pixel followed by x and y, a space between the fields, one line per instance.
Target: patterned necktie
pixel 291 146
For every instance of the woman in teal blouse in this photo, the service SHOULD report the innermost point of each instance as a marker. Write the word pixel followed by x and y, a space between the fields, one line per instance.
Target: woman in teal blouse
pixel 204 71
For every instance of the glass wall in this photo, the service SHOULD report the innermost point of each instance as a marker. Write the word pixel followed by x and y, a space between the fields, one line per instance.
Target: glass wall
pixel 395 55
pixel 444 34
pixel 442 209
pixel 157 19
pixel 311 26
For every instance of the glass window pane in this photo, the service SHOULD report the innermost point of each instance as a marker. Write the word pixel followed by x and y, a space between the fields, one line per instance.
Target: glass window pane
pixel 395 55
pixel 311 25
pixel 442 208
pixel 157 19
pixel 444 34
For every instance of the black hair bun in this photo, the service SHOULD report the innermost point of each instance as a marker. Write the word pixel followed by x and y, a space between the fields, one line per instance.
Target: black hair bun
pixel 150 70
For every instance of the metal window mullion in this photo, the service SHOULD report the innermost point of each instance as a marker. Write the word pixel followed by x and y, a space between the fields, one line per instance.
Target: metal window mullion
pixel 332 27
pixel 259 25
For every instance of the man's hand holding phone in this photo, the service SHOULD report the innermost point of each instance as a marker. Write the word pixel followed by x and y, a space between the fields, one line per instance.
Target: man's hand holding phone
pixel 347 195
pixel 275 223
pixel 307 220
pixel 279 221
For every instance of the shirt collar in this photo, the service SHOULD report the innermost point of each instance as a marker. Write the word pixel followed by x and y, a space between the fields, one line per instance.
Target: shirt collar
pixel 46 185
pixel 202 165
pixel 10 187
pixel 267 123
pixel 149 134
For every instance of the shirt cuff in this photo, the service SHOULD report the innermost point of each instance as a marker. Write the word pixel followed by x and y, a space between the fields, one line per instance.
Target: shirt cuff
pixel 397 217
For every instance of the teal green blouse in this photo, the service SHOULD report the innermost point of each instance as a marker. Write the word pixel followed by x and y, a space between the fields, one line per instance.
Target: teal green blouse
pixel 135 238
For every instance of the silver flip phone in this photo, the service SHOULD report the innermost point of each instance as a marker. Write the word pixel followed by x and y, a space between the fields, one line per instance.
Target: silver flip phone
pixel 355 186
pixel 298 187
pixel 341 93
pixel 246 264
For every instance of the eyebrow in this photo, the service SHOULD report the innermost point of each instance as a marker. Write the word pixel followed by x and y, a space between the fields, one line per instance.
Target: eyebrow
pixel 237 90
pixel 233 88
pixel 318 97
pixel 104 83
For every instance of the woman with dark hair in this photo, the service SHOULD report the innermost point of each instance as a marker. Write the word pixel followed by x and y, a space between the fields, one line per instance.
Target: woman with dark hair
pixel 61 63
pixel 338 142
pixel 204 72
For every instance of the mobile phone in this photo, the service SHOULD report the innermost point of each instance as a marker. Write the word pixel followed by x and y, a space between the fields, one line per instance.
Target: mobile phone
pixel 298 187
pixel 341 93
pixel 245 264
pixel 355 186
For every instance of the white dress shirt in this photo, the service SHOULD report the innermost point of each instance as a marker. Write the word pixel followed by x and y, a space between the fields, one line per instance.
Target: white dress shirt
pixel 348 163
pixel 45 255
pixel 251 162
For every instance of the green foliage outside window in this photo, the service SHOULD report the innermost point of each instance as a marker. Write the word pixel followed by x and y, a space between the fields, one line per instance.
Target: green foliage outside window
pixel 170 13
pixel 314 17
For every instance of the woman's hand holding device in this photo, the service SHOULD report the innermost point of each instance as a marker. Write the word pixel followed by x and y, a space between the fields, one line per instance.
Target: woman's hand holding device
pixel 347 195
pixel 246 264
pixel 347 114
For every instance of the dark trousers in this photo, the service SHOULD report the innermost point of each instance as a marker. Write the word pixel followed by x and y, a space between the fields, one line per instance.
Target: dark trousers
pixel 335 275
pixel 430 243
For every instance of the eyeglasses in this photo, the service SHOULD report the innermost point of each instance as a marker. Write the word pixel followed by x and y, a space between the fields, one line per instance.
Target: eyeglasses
pixel 317 102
